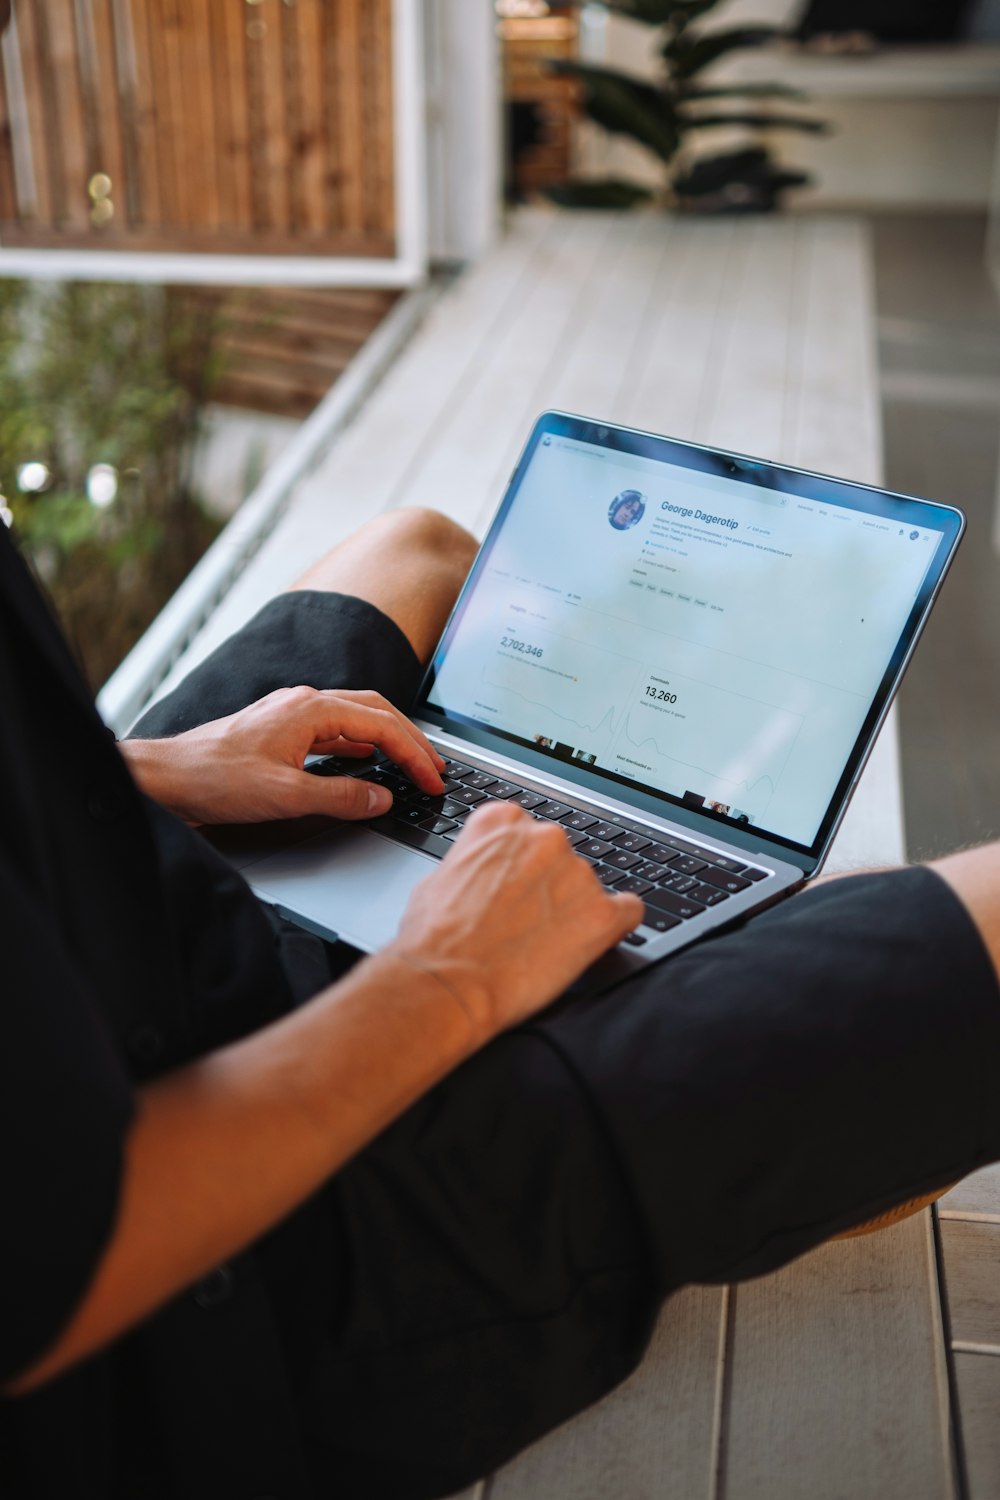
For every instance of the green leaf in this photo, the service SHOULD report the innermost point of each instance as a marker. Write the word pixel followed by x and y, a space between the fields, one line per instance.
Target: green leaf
pixel 605 192
pixel 749 179
pixel 738 91
pixel 626 106
pixel 689 55
pixel 756 121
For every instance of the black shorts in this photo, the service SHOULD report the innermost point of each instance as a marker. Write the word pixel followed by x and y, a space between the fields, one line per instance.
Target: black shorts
pixel 498 1254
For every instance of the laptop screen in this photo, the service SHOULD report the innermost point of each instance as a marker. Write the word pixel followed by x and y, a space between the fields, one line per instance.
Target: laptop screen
pixel 712 630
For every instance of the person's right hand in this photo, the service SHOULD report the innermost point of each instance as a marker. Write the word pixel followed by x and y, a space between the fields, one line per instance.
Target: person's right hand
pixel 511 917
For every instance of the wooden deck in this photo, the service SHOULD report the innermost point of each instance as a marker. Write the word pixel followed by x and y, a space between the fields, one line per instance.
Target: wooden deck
pixel 829 1380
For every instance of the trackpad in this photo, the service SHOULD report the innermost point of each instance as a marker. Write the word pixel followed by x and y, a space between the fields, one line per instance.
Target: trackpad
pixel 348 883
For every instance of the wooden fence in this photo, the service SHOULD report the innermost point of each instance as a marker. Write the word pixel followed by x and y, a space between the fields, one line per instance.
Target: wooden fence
pixel 254 126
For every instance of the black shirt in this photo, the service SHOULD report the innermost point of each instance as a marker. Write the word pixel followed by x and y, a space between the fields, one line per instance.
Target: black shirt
pixel 129 947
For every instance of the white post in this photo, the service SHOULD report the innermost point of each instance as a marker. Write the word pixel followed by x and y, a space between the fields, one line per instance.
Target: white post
pixel 464 127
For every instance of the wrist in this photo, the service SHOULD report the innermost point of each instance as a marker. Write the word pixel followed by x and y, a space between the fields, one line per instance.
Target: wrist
pixel 455 983
pixel 155 766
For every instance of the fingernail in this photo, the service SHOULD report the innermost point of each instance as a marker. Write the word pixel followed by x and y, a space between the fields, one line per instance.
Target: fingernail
pixel 379 800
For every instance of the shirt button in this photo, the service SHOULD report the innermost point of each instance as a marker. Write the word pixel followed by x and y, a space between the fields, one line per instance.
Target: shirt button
pixel 145 1044
pixel 214 1288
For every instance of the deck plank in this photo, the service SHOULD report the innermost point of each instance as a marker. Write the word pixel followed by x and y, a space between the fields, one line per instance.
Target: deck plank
pixel 971 1254
pixel 651 1439
pixel 838 1385
pixel 979 1193
pixel 978 1379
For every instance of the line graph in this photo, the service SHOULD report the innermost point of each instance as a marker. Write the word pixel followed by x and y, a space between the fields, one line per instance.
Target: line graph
pixel 709 739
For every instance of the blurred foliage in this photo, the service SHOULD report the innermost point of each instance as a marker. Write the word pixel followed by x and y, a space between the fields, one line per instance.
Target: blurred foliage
pixel 667 116
pixel 115 374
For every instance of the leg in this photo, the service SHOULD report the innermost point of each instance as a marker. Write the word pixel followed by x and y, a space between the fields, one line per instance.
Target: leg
pixel 827 1061
pixel 509 1239
pixel 409 563
pixel 367 616
pixel 974 876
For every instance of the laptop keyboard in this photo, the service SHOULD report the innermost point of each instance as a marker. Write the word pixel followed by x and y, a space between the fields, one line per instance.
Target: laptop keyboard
pixel 678 879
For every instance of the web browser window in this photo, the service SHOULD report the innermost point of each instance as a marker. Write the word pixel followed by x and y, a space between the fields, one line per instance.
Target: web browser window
pixel 707 638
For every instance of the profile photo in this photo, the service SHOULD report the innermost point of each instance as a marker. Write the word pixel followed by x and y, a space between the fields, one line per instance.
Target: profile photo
pixel 627 510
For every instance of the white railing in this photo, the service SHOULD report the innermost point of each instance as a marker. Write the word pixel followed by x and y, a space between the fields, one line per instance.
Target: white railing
pixel 130 688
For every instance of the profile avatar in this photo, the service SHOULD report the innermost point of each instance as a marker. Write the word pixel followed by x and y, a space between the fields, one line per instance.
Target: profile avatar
pixel 627 509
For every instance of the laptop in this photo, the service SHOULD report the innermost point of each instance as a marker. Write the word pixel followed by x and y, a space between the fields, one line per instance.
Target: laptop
pixel 681 655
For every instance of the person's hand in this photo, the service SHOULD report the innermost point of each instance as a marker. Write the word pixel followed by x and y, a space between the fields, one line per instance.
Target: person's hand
pixel 510 918
pixel 248 768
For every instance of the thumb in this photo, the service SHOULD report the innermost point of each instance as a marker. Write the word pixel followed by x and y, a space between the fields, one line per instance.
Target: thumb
pixel 352 800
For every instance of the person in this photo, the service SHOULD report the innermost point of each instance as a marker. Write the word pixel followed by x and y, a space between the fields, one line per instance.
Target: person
pixel 626 510
pixel 277 1223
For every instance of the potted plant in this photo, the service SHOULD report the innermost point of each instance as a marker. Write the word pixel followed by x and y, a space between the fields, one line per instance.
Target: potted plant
pixel 675 115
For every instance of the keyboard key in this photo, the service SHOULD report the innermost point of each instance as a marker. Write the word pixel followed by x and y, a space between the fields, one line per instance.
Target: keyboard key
pixel 440 825
pixel 608 876
pixel 749 873
pixel 426 800
pixel 686 864
pixel 660 921
pixel 452 809
pixel 594 849
pixel 574 836
pixel 721 862
pixel 634 939
pixel 580 820
pixel 470 795
pixel 709 895
pixel 504 790
pixel 340 765
pixel 632 841
pixel 649 871
pixel 661 853
pixel 681 846
pixel 553 810
pixel 730 883
pixel 529 800
pixel 635 886
pixel 607 831
pixel 401 813
pixel 622 860
pixel 679 883
pixel 455 768
pixel 479 779
pixel 677 906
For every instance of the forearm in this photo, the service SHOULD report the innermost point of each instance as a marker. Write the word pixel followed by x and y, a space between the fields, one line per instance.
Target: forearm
pixel 224 1148
pixel 159 768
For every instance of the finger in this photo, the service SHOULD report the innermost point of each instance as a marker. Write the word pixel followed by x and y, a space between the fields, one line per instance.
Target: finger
pixel 375 700
pixel 628 911
pixel 342 715
pixel 349 749
pixel 346 797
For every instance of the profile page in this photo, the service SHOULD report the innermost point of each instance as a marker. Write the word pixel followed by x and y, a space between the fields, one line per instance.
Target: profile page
pixel 703 637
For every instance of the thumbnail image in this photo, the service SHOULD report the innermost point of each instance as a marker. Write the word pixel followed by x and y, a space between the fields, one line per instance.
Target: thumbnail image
pixel 584 757
pixel 542 741
pixel 627 509
pixel 719 807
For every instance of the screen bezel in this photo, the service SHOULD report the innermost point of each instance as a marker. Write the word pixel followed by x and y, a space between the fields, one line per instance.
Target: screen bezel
pixel 720 464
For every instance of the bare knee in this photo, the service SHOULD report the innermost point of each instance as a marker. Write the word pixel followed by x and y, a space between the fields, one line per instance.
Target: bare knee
pixel 419 532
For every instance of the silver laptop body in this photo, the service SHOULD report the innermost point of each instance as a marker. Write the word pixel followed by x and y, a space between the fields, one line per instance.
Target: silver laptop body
pixel 687 650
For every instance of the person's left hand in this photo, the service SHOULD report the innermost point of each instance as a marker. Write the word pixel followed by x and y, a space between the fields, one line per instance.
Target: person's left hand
pixel 248 768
